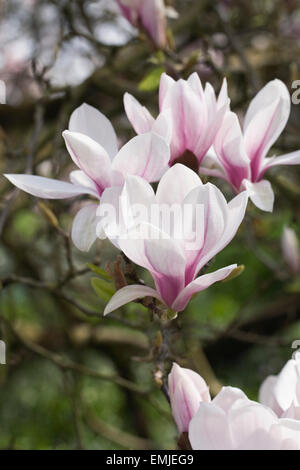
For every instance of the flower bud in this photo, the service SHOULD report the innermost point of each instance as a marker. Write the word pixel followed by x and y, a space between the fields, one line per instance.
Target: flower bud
pixel 187 390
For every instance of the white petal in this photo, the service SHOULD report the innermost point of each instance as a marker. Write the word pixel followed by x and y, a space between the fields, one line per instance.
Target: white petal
pixel 89 121
pixel 78 177
pixel 128 294
pixel 146 155
pixel 47 188
pixel 261 194
pixel 84 227
pixel 176 183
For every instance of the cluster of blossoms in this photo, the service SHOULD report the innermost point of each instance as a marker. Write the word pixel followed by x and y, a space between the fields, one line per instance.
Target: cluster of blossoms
pixel 195 121
pixel 233 422
pixel 191 119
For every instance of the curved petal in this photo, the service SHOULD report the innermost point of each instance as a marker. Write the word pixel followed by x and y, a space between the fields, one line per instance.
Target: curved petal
pixel 286 385
pixel 138 115
pixel 265 119
pixel 188 117
pixel 229 147
pixel 236 211
pixel 199 284
pixel 266 394
pixel 261 194
pixel 195 83
pixel 175 184
pixel 214 223
pixel 90 157
pixel 208 429
pixel 78 177
pixel 47 188
pixel 163 125
pixel 146 155
pixel 84 227
pixel 167 267
pixel 152 14
pixel 128 294
pixel 165 85
pixel 89 121
pixel 292 158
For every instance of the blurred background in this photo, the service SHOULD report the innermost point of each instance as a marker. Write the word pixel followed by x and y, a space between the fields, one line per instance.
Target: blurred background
pixel 72 379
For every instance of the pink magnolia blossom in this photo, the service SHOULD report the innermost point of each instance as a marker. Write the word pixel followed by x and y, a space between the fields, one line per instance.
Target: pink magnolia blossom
pixel 92 145
pixel 233 422
pixel 172 260
pixel 149 15
pixel 187 390
pixel 290 249
pixel 240 157
pixel 282 392
pixel 194 114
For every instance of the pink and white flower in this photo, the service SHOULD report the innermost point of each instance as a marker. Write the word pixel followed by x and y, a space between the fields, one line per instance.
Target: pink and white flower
pixel 92 145
pixel 172 261
pixel 194 115
pixel 149 15
pixel 282 392
pixel 241 157
pixel 187 390
pixel 233 422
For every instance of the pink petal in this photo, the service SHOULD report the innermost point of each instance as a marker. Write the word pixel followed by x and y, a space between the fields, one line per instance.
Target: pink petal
pixel 188 117
pixel 128 294
pixel 265 119
pixel 167 267
pixel 90 157
pixel 47 188
pixel 152 13
pixel 139 116
pixel 166 84
pixel 211 230
pixel 89 121
pixel 199 284
pixel 195 83
pixel 163 125
pixel 292 158
pixel 236 211
pixel 229 147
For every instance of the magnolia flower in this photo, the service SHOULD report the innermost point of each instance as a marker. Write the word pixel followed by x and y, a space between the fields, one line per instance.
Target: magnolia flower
pixel 233 422
pixel 174 256
pixel 92 145
pixel 149 15
pixel 290 249
pixel 194 114
pixel 282 392
pixel 186 390
pixel 241 156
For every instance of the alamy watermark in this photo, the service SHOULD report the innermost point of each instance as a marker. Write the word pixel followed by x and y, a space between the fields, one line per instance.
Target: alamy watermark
pixel 182 222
